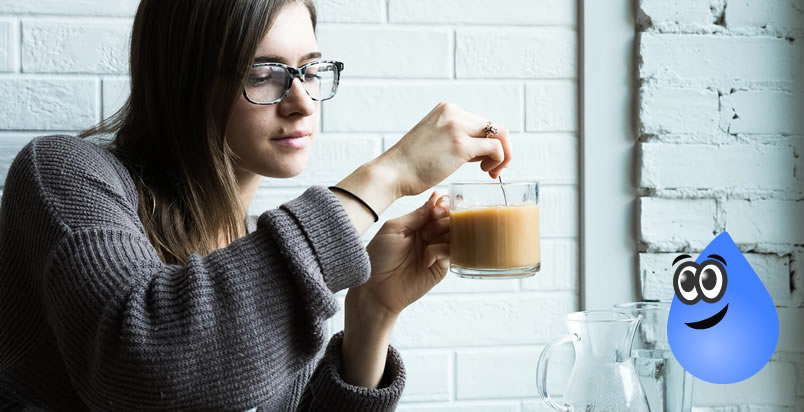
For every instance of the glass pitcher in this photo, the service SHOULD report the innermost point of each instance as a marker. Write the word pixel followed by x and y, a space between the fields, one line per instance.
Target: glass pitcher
pixel 603 378
pixel 667 385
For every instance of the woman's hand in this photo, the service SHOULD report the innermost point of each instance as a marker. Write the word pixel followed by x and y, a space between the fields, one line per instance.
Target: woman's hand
pixel 440 143
pixel 409 256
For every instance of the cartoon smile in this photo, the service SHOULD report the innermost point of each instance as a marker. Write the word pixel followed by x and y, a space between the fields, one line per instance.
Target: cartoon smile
pixel 710 321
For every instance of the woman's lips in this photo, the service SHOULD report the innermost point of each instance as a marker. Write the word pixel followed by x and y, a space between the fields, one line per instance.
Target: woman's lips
pixel 295 140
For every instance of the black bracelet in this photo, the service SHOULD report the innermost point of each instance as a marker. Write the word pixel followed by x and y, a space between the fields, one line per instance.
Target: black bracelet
pixel 376 218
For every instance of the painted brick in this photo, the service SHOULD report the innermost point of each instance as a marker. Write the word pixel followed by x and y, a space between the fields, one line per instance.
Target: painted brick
pixel 351 11
pixel 483 12
pixel 115 93
pixel 775 384
pixel 656 274
pixel 396 106
pixel 798 152
pixel 551 106
pixel 738 166
pixel 788 14
pixel 9 45
pixel 765 221
pixel 797 282
pixel 383 52
pixel 680 11
pixel 669 224
pixel 559 269
pixel 10 145
pixel 494 319
pixel 674 110
pixel 50 46
pixel 483 406
pixel 70 7
pixel 543 52
pixel 48 103
pixel 718 59
pixel 791 333
pixel 428 375
pixel 479 372
pixel 558 206
pixel 765 112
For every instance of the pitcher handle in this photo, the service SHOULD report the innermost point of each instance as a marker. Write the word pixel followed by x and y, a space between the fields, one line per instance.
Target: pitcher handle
pixel 541 371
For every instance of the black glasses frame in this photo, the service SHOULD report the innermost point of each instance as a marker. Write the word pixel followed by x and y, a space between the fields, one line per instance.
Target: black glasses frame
pixel 298 72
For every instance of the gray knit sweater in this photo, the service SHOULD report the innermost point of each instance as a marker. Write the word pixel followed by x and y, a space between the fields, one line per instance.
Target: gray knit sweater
pixel 91 318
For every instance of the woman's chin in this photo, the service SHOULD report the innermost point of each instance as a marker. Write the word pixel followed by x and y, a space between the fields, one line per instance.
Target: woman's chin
pixel 286 172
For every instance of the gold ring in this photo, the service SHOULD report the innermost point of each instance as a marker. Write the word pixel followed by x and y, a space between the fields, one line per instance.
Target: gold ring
pixel 490 129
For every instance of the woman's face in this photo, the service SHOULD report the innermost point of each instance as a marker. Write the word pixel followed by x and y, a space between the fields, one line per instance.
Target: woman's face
pixel 274 140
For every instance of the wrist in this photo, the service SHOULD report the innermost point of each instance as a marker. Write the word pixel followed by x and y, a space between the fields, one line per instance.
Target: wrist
pixel 362 311
pixel 386 170
pixel 366 336
pixel 375 183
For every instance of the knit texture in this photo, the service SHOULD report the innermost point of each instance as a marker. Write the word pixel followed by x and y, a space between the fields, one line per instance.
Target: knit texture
pixel 91 318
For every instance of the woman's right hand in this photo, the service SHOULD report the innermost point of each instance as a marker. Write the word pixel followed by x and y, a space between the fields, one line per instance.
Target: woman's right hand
pixel 440 143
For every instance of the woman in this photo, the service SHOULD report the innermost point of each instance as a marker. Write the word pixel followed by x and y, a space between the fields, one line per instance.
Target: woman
pixel 131 275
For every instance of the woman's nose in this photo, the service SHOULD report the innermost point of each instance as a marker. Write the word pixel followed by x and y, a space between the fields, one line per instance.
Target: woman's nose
pixel 297 101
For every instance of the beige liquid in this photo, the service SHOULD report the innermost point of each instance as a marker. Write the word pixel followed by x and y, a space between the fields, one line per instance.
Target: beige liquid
pixel 495 237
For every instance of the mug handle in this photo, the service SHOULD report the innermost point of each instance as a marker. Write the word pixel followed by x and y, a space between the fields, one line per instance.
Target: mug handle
pixel 541 371
pixel 444 200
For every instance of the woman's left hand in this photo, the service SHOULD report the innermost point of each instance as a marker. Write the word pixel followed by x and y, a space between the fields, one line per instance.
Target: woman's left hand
pixel 409 255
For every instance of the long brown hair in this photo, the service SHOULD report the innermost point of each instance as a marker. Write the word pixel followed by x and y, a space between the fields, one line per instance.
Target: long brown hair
pixel 189 62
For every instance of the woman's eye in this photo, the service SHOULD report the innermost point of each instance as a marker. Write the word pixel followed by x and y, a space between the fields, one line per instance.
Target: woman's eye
pixel 258 81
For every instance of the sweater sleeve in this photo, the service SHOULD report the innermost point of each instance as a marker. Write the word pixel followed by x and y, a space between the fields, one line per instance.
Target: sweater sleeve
pixel 226 331
pixel 327 391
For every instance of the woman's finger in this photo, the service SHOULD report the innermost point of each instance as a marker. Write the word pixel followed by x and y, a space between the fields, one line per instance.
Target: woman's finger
pixel 443 238
pixel 480 148
pixel 505 139
pixel 435 252
pixel 435 228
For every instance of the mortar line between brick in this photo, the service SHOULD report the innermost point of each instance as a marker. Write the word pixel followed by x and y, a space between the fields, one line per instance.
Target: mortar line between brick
pixel 99 99
pixel 18 68
pixel 454 394
pixel 524 125
pixel 454 54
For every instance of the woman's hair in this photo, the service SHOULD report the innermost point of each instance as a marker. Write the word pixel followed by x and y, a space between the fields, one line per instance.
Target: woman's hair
pixel 189 62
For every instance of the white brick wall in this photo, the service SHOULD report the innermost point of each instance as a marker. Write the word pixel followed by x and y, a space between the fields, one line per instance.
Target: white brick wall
pixel 721 141
pixel 63 67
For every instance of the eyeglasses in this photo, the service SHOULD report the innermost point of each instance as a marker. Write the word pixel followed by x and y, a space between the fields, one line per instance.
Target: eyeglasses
pixel 269 83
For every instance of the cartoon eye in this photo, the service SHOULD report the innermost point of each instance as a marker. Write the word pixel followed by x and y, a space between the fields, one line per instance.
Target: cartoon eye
pixel 684 283
pixel 712 280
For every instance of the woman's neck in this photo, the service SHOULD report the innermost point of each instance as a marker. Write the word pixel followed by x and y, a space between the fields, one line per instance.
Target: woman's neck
pixel 248 183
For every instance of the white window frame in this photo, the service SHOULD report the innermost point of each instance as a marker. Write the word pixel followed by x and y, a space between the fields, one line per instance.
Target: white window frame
pixel 608 146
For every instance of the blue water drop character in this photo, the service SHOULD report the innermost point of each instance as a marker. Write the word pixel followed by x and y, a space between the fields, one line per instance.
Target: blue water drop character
pixel 723 327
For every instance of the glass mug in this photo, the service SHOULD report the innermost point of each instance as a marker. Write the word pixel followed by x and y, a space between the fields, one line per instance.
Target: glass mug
pixel 494 229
